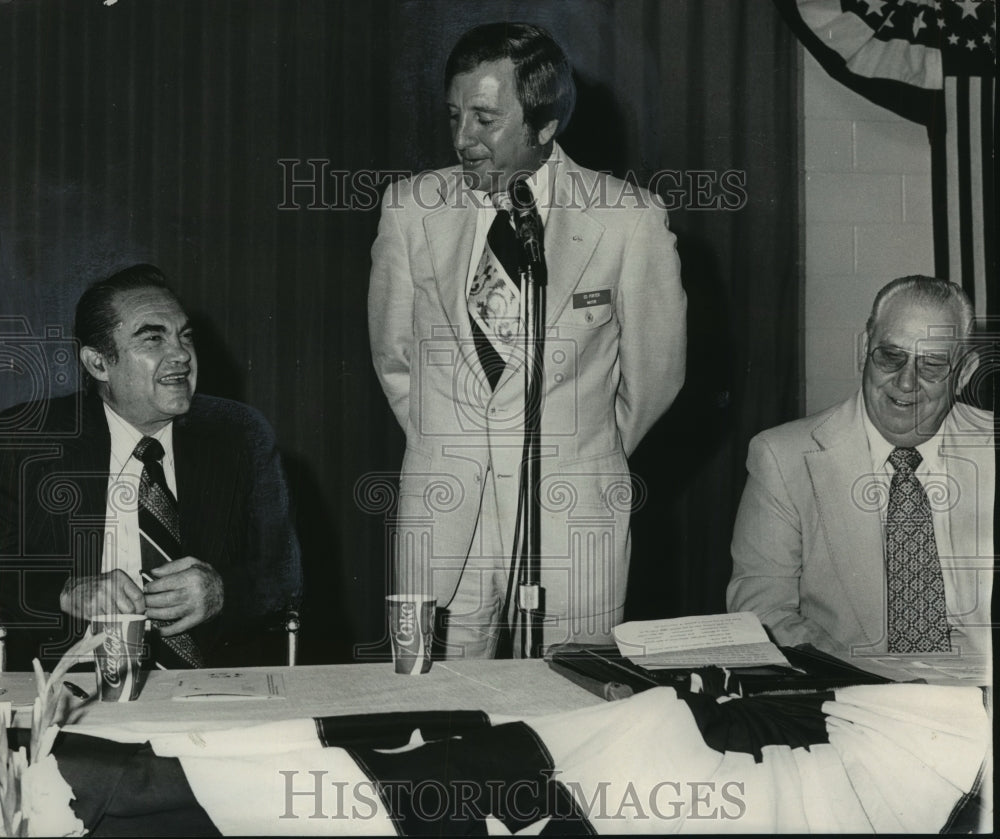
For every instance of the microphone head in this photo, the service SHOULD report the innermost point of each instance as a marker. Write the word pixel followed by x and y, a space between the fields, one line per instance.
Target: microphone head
pixel 527 224
pixel 521 196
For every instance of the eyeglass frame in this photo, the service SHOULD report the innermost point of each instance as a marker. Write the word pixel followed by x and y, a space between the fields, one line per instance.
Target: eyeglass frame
pixel 919 359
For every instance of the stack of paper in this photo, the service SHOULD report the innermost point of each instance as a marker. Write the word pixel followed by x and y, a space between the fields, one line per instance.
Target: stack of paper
pixel 229 684
pixel 733 640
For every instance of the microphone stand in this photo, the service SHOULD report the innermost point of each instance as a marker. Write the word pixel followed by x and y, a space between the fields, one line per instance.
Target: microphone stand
pixel 533 283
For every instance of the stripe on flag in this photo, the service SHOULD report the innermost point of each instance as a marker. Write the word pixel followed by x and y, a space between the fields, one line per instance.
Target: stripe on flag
pixel 932 63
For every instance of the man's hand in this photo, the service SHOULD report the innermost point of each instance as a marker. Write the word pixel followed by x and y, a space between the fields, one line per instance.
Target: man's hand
pixel 183 593
pixel 102 594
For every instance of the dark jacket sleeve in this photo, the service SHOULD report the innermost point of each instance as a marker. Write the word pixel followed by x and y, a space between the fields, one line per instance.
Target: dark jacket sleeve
pixel 259 561
pixel 273 553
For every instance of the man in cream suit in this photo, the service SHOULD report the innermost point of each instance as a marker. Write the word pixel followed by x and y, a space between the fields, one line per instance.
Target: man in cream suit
pixel 614 355
pixel 810 546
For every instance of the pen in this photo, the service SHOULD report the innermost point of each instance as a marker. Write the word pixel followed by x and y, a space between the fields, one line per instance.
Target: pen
pixel 76 690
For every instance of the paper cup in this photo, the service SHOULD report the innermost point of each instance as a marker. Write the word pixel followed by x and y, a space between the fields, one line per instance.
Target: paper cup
pixel 411 627
pixel 119 658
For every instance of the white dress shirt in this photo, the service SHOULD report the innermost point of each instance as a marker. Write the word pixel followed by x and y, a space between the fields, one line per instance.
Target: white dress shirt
pixel 121 522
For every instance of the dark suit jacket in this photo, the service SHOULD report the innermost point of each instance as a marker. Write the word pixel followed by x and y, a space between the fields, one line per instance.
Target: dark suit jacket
pixel 234 512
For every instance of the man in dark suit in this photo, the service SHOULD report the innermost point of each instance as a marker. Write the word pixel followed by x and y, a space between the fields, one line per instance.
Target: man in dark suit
pixel 71 543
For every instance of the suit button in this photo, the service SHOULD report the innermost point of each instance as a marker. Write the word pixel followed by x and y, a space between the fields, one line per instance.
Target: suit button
pixel 477 479
pixel 589 317
pixel 493 412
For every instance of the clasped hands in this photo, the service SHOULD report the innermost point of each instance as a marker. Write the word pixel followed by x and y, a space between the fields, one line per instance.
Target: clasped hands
pixel 182 594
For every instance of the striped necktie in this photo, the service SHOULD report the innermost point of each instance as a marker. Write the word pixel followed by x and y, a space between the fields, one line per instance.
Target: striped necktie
pixel 160 542
pixel 917 613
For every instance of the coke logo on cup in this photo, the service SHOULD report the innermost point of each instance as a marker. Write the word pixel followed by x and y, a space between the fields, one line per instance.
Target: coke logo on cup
pixel 114 647
pixel 407 623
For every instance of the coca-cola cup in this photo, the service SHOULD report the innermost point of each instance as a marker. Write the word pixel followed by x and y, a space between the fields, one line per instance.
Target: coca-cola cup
pixel 411 627
pixel 119 658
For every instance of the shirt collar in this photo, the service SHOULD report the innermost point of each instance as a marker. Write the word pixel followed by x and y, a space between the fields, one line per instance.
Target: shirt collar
pixel 539 182
pixel 880 448
pixel 125 437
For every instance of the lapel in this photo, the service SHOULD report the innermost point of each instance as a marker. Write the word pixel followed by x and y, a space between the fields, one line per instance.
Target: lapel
pixel 197 469
pixel 571 234
pixel 92 458
pixel 82 462
pixel 450 231
pixel 837 471
pixel 189 468
pixel 570 238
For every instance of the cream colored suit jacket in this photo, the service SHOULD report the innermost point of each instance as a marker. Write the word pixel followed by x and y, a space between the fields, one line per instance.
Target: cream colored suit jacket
pixel 614 361
pixel 808 546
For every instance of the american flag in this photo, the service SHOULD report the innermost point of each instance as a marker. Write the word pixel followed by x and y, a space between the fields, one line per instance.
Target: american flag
pixel 933 62
pixel 890 758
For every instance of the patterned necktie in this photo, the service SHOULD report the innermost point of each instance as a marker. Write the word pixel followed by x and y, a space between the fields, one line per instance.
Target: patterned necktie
pixel 160 542
pixel 495 296
pixel 917 614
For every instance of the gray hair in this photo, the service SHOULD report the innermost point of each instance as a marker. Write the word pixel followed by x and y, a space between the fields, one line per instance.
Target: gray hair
pixel 928 290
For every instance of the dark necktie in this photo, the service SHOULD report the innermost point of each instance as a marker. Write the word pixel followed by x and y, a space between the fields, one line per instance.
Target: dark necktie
pixel 160 538
pixel 917 613
pixel 495 297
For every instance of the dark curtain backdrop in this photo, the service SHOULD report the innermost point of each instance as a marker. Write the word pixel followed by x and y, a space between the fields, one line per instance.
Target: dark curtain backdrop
pixel 152 130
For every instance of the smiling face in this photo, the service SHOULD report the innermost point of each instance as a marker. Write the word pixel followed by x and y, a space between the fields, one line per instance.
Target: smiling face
pixel 905 409
pixel 488 130
pixel 154 377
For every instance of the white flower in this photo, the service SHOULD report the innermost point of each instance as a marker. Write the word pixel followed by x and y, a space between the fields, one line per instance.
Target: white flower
pixel 45 798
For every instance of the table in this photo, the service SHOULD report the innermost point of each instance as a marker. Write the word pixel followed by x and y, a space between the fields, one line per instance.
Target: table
pixel 945 669
pixel 501 687
pixel 637 744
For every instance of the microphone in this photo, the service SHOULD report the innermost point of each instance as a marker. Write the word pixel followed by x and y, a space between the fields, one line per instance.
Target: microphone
pixel 527 222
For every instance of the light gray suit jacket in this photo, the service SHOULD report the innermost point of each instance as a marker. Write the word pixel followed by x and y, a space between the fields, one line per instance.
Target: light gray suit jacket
pixel 808 548
pixel 614 361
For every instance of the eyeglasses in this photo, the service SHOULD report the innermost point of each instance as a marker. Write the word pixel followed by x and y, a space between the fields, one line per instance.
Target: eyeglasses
pixel 930 368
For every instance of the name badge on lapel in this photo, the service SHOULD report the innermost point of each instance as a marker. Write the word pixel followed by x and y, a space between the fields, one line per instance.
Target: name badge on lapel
pixel 586 299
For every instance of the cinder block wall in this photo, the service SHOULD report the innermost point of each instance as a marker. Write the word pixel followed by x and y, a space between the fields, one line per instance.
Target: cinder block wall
pixel 867 220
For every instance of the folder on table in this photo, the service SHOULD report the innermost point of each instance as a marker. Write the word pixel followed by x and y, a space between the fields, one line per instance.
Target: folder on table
pixel 604 671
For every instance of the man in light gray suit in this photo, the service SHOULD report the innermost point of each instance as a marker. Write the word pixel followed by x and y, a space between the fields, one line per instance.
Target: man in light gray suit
pixel 819 539
pixel 614 354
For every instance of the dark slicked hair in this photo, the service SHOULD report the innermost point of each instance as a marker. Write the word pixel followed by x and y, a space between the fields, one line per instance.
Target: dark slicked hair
pixel 543 77
pixel 97 313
